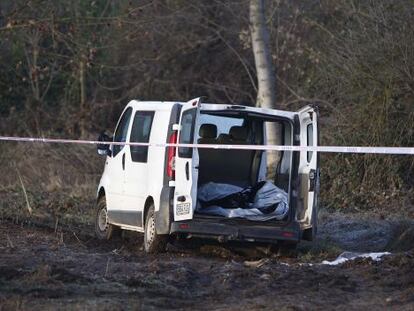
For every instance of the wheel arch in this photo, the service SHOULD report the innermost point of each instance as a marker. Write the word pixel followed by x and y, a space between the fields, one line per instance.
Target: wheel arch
pixel 101 193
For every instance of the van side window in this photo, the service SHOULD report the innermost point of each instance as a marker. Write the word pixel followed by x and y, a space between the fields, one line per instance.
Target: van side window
pixel 122 131
pixel 187 133
pixel 309 133
pixel 140 133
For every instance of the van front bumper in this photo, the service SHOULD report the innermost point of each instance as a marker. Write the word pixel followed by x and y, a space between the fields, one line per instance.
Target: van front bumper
pixel 230 230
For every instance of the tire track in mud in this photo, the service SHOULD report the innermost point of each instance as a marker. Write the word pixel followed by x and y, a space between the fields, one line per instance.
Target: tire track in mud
pixel 44 269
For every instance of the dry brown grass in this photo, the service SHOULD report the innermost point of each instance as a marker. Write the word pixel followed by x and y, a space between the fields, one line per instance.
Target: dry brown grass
pixel 55 182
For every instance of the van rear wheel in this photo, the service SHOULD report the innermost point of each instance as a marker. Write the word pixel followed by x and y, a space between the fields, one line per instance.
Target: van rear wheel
pixel 153 242
pixel 103 229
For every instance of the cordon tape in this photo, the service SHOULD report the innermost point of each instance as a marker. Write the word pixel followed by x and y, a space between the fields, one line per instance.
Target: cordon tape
pixel 329 149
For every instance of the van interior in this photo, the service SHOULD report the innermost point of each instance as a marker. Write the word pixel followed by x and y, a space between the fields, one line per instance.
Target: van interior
pixel 242 168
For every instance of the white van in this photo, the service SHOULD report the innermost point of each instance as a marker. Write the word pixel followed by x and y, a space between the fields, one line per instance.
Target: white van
pixel 154 189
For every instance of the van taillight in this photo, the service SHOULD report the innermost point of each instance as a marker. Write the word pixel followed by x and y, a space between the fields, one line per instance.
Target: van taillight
pixel 171 156
pixel 288 234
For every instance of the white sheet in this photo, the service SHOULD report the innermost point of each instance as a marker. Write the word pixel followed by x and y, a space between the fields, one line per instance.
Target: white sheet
pixel 266 196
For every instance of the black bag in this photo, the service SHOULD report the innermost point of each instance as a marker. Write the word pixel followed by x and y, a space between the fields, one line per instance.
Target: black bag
pixel 242 199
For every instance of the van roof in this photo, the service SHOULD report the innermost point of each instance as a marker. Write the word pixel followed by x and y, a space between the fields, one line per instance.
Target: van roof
pixel 262 111
pixel 167 105
pixel 159 105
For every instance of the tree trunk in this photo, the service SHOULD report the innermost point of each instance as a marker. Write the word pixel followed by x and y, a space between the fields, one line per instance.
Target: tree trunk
pixel 82 76
pixel 82 109
pixel 266 94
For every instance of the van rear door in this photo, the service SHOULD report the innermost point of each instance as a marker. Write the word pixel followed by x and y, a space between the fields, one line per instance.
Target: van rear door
pixel 186 163
pixel 308 168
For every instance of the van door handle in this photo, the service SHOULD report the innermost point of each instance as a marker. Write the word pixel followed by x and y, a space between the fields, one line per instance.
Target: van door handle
pixel 123 161
pixel 187 171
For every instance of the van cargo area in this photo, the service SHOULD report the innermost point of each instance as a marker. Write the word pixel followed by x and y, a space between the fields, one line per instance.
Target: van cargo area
pixel 244 169
pixel 234 176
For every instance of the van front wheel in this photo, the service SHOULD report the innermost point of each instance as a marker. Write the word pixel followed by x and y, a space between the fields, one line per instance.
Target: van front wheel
pixel 153 242
pixel 103 229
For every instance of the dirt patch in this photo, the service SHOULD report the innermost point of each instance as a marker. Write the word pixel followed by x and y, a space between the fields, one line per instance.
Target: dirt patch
pixel 41 269
pixel 366 232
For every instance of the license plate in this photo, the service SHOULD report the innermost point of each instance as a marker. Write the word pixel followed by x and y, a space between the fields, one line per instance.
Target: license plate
pixel 183 209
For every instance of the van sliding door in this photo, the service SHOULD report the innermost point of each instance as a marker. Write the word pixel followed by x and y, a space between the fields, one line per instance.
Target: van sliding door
pixel 186 163
pixel 308 168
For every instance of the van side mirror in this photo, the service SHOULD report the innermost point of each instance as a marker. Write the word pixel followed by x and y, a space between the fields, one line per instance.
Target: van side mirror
pixel 104 149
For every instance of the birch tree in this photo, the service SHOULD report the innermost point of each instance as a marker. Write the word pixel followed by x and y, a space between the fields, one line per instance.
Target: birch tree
pixel 266 94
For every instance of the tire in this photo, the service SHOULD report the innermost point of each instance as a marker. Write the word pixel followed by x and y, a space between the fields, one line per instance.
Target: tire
pixel 103 230
pixel 153 243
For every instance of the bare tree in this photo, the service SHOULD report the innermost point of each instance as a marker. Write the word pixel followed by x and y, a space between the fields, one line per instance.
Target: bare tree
pixel 266 94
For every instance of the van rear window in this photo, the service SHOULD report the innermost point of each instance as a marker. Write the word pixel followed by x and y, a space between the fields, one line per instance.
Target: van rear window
pixel 309 134
pixel 187 133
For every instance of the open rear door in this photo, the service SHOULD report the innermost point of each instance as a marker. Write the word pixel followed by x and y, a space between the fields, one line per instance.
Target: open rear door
pixel 308 169
pixel 186 163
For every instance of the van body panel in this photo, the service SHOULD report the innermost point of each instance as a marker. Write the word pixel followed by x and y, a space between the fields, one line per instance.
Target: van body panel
pixel 131 218
pixel 308 165
pixel 156 156
pixel 186 163
pixel 163 216
pixel 129 184
pixel 227 231
pixel 164 210
pixel 114 172
pixel 136 187
pixel 263 111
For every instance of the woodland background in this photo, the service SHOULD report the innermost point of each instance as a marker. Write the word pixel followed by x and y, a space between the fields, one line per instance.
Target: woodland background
pixel 69 67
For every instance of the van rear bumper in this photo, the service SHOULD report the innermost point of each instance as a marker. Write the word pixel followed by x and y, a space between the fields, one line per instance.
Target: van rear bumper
pixel 232 231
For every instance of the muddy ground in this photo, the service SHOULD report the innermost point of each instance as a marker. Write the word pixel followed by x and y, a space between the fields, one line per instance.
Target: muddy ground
pixel 44 268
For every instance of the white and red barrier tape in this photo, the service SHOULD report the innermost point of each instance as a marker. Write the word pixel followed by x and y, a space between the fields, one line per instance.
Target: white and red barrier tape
pixel 330 149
